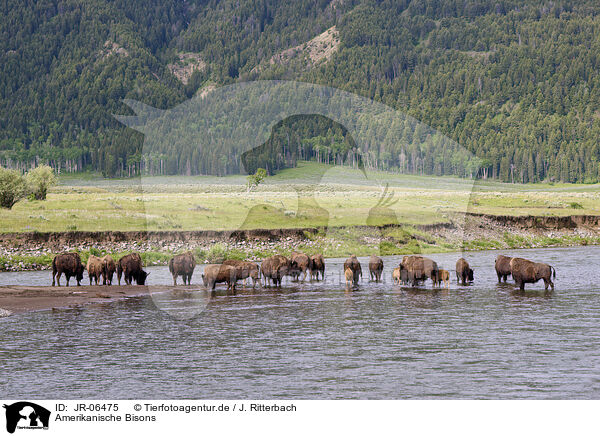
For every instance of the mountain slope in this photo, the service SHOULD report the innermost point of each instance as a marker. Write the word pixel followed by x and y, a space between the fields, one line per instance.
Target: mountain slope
pixel 515 82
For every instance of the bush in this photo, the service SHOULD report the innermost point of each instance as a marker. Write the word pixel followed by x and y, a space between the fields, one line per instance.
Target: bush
pixel 12 187
pixel 39 180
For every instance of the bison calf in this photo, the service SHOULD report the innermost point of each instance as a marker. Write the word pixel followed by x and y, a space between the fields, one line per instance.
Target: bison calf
pixel 353 264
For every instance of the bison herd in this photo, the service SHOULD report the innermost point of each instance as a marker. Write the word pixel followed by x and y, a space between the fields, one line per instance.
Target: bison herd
pixel 412 270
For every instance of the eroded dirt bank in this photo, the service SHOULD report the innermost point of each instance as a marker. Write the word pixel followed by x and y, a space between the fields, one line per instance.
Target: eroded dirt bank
pixel 30 251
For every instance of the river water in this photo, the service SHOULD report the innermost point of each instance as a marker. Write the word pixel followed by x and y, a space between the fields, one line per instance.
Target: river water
pixel 317 341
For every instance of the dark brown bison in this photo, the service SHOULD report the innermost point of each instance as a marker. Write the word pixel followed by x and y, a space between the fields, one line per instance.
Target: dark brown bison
pixel 69 264
pixel 302 265
pixel 108 269
pixel 419 268
pixel 130 266
pixel 274 268
pixel 217 273
pixel 502 267
pixel 353 264
pixel 182 265
pixel 317 266
pixel 375 268
pixel 245 269
pixel 94 268
pixel 464 272
pixel 526 271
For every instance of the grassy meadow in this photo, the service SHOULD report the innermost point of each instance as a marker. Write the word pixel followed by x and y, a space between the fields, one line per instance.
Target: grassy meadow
pixel 307 196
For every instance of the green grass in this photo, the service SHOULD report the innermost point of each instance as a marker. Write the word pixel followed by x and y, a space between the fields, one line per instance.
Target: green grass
pixel 310 195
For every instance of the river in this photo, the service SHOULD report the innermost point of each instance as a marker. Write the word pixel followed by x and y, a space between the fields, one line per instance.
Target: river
pixel 317 341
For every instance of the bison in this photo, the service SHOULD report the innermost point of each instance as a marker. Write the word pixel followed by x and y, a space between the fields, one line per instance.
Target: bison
pixel 375 268
pixel 108 269
pixel 275 267
pixel 317 266
pixel 303 265
pixel 130 266
pixel 349 276
pixel 464 272
pixel 354 265
pixel 526 271
pixel 245 269
pixel 502 267
pixel 444 276
pixel 182 265
pixel 217 273
pixel 69 264
pixel 396 276
pixel 94 268
pixel 419 268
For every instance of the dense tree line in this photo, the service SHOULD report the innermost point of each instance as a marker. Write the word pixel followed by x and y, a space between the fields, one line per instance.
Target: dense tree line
pixel 516 83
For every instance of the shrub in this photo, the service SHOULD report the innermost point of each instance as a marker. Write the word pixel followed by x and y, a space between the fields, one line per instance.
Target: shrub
pixel 12 187
pixel 39 180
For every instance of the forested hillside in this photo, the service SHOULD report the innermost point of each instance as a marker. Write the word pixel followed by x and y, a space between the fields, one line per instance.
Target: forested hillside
pixel 515 82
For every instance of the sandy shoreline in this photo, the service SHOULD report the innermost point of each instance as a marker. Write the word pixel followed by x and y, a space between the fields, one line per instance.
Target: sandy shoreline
pixel 21 299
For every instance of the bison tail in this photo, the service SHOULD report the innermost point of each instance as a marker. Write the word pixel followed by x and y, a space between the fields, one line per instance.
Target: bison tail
pixel 171 266
pixel 553 272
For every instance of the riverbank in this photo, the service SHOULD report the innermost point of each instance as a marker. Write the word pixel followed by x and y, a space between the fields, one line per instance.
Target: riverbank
pixel 34 250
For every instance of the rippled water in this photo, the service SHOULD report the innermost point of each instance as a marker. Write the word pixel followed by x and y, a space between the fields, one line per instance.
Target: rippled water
pixel 318 341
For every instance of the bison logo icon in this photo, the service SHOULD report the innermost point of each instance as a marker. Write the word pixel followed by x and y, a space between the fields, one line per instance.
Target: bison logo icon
pixel 26 415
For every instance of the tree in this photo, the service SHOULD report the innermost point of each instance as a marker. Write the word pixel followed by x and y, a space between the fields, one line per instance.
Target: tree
pixel 255 179
pixel 12 187
pixel 39 180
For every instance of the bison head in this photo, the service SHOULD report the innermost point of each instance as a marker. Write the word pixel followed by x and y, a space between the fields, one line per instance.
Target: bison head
pixel 141 277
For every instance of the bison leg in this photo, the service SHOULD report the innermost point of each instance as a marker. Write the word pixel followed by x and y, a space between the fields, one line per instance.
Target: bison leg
pixel 57 279
pixel 53 278
pixel 175 280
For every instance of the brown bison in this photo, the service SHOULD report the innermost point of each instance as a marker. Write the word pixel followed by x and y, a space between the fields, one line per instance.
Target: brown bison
pixel 317 266
pixel 130 266
pixel 108 269
pixel 182 265
pixel 375 268
pixel 303 265
pixel 354 265
pixel 274 268
pixel 396 277
pixel 419 268
pixel 464 272
pixel 502 267
pixel 94 268
pixel 217 273
pixel 69 264
pixel 444 276
pixel 526 271
pixel 245 269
